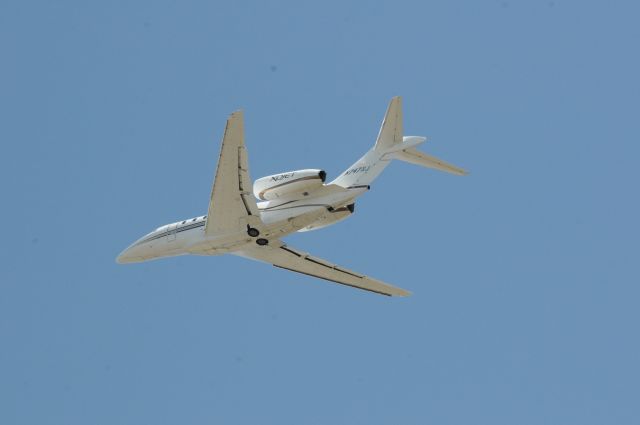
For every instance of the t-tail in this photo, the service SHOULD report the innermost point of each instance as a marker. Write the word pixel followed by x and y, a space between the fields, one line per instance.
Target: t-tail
pixel 391 144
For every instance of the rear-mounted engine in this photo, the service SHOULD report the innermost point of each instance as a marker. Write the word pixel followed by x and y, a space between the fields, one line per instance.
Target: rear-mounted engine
pixel 292 184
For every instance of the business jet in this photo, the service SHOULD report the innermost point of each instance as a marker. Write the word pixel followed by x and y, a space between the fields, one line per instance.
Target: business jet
pixel 253 225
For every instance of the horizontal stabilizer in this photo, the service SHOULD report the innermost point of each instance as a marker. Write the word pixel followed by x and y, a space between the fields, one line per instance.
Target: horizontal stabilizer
pixel 414 156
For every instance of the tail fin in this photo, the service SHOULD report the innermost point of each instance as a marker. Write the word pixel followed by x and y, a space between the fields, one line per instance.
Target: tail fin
pixel 391 144
pixel 391 129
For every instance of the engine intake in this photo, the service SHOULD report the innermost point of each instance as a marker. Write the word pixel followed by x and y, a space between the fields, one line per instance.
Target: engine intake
pixel 290 184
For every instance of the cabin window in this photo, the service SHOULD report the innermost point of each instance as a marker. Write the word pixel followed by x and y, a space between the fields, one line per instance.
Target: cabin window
pixel 184 221
pixel 194 219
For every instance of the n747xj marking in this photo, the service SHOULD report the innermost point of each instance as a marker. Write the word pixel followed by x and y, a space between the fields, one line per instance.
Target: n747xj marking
pixel 295 201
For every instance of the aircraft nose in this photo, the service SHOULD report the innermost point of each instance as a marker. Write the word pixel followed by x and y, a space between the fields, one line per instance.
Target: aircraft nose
pixel 127 256
pixel 123 258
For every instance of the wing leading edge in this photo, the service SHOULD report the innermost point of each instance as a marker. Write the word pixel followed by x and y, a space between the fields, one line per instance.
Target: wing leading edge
pixel 285 257
pixel 232 206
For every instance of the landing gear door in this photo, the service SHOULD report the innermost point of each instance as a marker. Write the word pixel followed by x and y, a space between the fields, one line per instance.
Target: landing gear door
pixel 171 234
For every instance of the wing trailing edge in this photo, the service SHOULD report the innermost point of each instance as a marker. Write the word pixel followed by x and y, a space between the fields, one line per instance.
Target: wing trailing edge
pixel 288 258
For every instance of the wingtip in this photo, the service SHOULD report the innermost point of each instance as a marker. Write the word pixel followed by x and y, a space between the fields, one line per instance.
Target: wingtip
pixel 394 291
pixel 236 118
pixel 395 100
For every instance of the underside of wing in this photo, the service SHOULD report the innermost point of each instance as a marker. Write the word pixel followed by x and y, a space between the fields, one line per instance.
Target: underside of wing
pixel 285 257
pixel 232 206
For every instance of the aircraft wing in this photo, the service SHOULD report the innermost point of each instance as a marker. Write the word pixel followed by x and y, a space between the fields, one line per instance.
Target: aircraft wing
pixel 232 205
pixel 285 257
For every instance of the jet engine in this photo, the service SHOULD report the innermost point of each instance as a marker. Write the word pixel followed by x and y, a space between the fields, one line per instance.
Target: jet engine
pixel 332 217
pixel 291 184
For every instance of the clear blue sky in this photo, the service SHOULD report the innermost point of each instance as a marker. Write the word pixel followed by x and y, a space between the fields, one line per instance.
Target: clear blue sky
pixel 525 273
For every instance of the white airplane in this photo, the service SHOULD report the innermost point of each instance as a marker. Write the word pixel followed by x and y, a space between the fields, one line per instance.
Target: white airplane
pixel 295 201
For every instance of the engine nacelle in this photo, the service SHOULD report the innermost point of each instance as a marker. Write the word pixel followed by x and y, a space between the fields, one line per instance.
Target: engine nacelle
pixel 288 184
pixel 332 217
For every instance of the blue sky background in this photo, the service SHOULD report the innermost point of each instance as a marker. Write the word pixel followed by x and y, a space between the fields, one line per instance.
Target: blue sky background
pixel 525 273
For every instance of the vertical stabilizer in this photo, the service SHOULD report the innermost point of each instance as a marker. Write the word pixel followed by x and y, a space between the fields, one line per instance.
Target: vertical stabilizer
pixel 391 128
pixel 367 168
pixel 390 145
